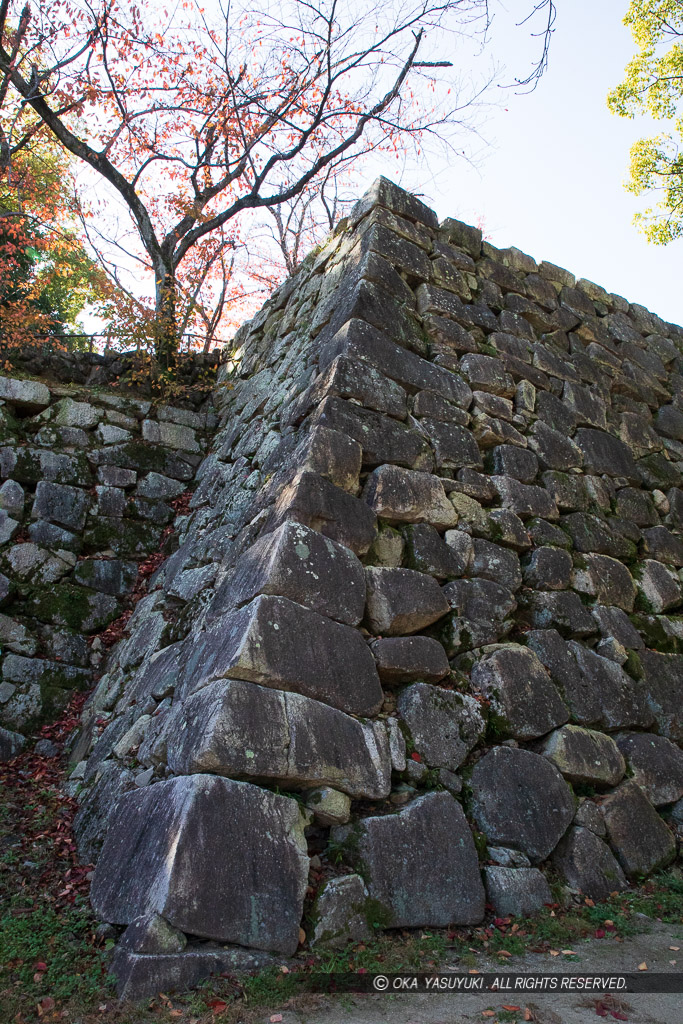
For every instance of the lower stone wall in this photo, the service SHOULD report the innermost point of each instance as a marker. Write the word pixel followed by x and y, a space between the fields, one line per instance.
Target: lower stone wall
pixel 91 480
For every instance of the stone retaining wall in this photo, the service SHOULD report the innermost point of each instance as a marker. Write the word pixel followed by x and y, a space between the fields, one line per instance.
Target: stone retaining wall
pixel 423 621
pixel 89 481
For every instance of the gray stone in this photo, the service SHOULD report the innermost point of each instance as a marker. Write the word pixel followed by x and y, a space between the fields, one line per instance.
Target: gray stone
pixel 114 476
pixel 46 748
pixel 621 701
pixel 420 864
pixel 480 599
pixel 664 546
pixel 8 527
pixel 99 806
pixel 639 838
pixel 12 497
pixel 520 800
pixel 11 744
pixel 659 588
pixel 584 756
pixel 171 435
pixel 341 913
pixel 519 463
pixel 400 495
pixel 548 569
pixel 402 601
pixel 606 579
pixel 150 933
pixel 61 504
pixel 106 575
pixel 315 501
pixel 249 890
pixel 408 659
pixel 516 891
pixel 156 486
pixel 428 553
pixel 586 407
pixel 508 858
pixel 344 378
pixel 553 449
pixel 299 563
pixel 521 694
pixel 525 499
pixel 382 439
pixel 444 725
pixel 663 686
pixel 656 765
pixel 328 806
pixel 604 453
pixel 493 562
pixel 143 975
pixel 454 446
pixel 69 413
pixel 561 610
pixel 588 816
pixel 613 622
pixel 28 395
pixel 277 643
pixel 243 731
pixel 588 865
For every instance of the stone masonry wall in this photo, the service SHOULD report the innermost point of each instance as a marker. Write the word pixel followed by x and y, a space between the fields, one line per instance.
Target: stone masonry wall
pixel 89 478
pixel 423 623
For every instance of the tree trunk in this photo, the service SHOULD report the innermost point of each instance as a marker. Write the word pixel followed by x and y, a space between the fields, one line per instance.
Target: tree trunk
pixel 165 305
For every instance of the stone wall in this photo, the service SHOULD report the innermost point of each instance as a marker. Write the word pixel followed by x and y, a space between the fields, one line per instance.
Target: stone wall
pixel 422 623
pixel 90 478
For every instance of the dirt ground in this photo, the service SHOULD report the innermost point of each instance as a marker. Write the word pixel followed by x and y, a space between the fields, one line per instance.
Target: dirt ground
pixel 651 948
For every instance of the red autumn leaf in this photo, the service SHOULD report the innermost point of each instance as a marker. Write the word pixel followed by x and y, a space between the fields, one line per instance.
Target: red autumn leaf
pixel 601 1010
pixel 416 757
pixel 511 1007
pixel 217 1005
pixel 617 1015
pixel 599 933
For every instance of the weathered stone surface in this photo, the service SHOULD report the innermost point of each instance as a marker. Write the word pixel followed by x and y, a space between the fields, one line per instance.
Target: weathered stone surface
pixel 548 569
pixel 406 659
pixel 399 495
pixel 11 744
pixel 659 588
pixel 402 601
pixel 243 731
pixel 420 864
pixel 620 699
pixel 525 499
pixel 604 453
pixel 521 694
pixel 480 599
pixel 638 836
pixel 382 438
pixel 561 610
pixel 28 395
pixel 606 579
pixel 313 500
pixel 517 891
pixel 663 687
pixel 520 800
pixel 588 865
pixel 106 575
pixel 584 756
pixel 519 463
pixel 150 933
pixel 277 643
pixel 341 912
pixel 172 435
pixel 656 765
pixel 249 890
pixel 61 504
pixel 143 975
pixel 428 553
pixel 553 449
pixel 328 806
pixel 345 378
pixel 454 446
pixel 301 564
pixel 444 725
pixel 494 562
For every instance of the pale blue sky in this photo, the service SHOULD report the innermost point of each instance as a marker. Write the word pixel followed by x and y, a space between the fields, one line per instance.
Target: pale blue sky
pixel 551 179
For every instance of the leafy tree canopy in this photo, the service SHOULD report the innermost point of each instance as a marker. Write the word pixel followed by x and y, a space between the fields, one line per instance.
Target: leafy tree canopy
pixel 653 85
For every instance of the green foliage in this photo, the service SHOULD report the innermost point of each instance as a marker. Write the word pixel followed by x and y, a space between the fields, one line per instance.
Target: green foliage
pixel 653 85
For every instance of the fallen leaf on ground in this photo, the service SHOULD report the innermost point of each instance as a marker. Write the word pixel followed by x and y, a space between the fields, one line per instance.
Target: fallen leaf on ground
pixel 675 948
pixel 276 1018
pixel 554 952
pixel 487 1013
pixel 569 952
pixel 511 1007
pixel 504 952
pixel 642 967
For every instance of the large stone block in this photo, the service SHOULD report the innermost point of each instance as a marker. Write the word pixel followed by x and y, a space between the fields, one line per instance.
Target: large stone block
pixel 341 912
pixel 404 496
pixel 301 564
pixel 620 698
pixel 639 838
pixel 525 500
pixel 243 731
pixel 277 643
pixel 345 378
pixel 315 501
pixel 359 340
pixel 444 725
pixel 420 865
pixel 406 659
pixel 656 765
pixel 30 396
pixel 428 552
pixel 61 504
pixel 588 865
pixel 218 859
pixel 604 453
pixel 663 686
pixel 520 691
pixel 520 800
pixel 516 891
pixel 659 588
pixel 383 439
pixel 402 601
pixel 454 446
pixel 584 756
